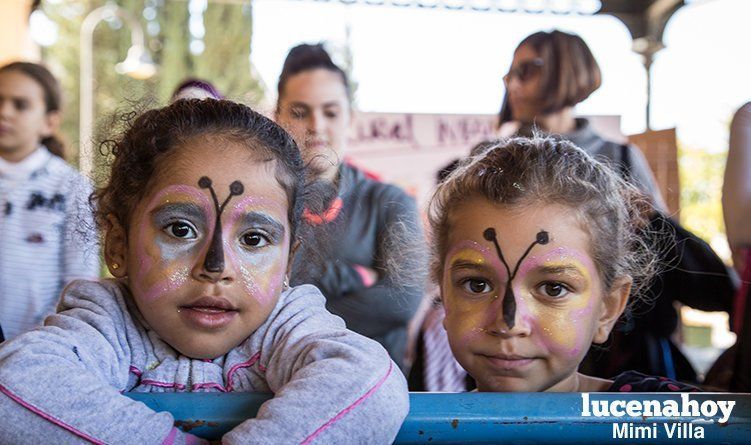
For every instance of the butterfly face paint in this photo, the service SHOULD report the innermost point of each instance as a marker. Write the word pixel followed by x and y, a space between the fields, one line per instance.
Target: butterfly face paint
pixel 509 301
pixel 206 268
pixel 522 295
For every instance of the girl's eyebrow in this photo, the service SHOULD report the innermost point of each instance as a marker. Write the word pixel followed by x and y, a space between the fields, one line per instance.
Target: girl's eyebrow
pixel 302 105
pixel 563 270
pixel 256 219
pixel 466 264
pixel 191 210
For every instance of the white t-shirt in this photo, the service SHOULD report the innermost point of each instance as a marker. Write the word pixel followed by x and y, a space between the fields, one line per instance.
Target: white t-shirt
pixel 47 237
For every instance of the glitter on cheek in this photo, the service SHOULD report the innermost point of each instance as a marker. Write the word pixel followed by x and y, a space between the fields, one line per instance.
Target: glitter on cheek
pixel 261 274
pixel 247 269
pixel 155 259
pixel 172 282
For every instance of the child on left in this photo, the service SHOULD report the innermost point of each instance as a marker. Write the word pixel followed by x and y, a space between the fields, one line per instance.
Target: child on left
pixel 47 232
pixel 201 215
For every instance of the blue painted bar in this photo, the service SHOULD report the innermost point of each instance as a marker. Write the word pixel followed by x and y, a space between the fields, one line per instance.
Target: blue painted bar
pixel 484 418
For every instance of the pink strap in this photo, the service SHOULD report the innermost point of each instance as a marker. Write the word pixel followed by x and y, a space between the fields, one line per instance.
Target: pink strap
pixel 47 417
pixel 170 439
pixel 346 410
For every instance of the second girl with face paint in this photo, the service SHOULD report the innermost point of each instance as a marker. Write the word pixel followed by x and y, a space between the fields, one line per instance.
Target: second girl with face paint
pixel 201 214
pixel 536 253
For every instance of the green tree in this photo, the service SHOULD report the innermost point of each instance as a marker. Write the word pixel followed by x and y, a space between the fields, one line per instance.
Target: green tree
pixel 701 173
pixel 225 60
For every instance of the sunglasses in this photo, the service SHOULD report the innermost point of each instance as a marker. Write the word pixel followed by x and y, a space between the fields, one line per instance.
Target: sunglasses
pixel 525 70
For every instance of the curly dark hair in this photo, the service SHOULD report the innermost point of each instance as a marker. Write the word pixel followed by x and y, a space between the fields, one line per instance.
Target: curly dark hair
pixel 153 135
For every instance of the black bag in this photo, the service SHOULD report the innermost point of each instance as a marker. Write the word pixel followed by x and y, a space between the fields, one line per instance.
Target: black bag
pixel 691 274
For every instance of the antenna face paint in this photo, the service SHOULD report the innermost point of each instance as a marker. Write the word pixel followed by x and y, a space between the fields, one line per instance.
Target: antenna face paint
pixel 214 261
pixel 509 299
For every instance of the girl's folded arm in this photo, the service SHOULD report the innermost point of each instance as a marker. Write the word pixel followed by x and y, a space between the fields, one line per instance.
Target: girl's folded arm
pixel 62 381
pixel 330 385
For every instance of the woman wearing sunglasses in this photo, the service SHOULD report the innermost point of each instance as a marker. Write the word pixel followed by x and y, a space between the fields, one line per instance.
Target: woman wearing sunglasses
pixel 552 72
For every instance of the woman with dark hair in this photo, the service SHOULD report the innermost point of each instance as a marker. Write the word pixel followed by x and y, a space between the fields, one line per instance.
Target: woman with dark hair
pixel 369 260
pixel 550 74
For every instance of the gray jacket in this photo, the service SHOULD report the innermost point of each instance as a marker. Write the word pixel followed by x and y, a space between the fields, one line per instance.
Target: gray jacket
pixel 611 153
pixel 378 227
pixel 62 382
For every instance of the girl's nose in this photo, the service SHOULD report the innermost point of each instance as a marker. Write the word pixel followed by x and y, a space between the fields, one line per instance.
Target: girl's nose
pixel 214 267
pixel 224 275
pixel 505 324
pixel 316 124
pixel 6 108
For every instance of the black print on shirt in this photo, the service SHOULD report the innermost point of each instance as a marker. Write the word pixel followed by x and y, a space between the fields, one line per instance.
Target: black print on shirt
pixel 38 201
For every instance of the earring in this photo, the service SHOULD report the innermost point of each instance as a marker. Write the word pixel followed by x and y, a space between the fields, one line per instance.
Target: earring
pixel 285 283
pixel 115 266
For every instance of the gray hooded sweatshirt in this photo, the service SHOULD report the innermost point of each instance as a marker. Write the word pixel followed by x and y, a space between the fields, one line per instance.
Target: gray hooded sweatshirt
pixel 63 382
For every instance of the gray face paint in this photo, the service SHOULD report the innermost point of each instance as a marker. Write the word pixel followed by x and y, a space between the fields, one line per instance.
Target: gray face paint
pixel 509 300
pixel 214 261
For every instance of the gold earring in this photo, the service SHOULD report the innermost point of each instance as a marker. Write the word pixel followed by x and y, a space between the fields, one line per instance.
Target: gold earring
pixel 115 266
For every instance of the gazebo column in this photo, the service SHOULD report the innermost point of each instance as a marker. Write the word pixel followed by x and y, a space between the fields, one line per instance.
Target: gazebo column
pixel 646 21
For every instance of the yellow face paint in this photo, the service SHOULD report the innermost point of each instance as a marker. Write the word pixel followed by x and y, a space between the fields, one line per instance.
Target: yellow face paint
pixel 465 314
pixel 558 322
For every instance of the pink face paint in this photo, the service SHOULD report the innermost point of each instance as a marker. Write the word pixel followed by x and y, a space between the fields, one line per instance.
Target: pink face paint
pixel 555 323
pixel 150 281
pixel 471 252
pixel 261 277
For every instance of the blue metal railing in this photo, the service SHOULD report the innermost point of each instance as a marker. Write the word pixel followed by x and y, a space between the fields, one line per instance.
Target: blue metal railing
pixel 466 418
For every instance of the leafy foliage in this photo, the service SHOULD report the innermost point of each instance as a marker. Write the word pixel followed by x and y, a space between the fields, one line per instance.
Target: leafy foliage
pixel 224 61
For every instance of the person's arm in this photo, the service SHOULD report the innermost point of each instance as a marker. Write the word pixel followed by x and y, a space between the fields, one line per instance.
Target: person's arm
pixel 61 383
pixel 340 277
pixel 736 186
pixel 330 384
pixel 80 253
pixel 401 264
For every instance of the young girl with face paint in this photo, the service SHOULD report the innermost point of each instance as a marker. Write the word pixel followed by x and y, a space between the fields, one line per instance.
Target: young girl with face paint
pixel 201 214
pixel 47 231
pixel 536 254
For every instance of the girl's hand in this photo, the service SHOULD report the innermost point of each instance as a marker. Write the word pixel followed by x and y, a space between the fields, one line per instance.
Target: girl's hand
pixel 369 276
